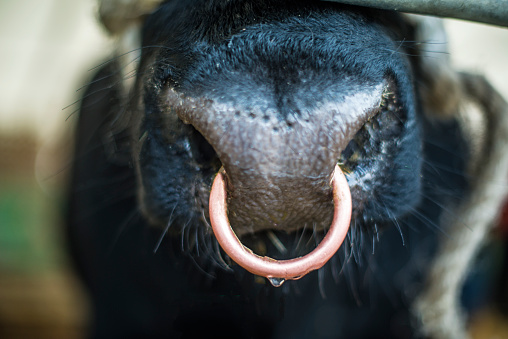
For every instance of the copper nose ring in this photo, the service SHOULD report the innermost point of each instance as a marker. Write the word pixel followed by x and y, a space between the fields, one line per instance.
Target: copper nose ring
pixel 277 271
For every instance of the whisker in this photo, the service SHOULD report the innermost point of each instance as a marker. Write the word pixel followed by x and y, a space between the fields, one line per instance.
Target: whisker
pixel 109 75
pixel 190 239
pixel 116 57
pixel 313 236
pixel 88 95
pixel 102 204
pixel 121 229
pixel 183 234
pixel 132 74
pixel 353 286
pixel 102 182
pixel 440 145
pixel 334 268
pixel 301 237
pixel 170 221
pixel 376 230
pixel 215 257
pixel 196 240
pixel 396 223
pixel 219 256
pixel 356 240
pixel 202 270
pixel 398 47
pixel 276 242
pixel 321 281
pixel 427 221
pixel 203 216
pixel 446 209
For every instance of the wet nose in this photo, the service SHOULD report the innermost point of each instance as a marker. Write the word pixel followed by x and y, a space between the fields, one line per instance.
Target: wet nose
pixel 278 164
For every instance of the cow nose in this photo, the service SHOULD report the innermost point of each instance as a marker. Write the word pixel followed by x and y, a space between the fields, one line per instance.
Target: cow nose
pixel 278 164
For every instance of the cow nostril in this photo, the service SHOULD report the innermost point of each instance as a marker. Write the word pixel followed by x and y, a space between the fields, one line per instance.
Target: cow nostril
pixel 202 151
pixel 367 144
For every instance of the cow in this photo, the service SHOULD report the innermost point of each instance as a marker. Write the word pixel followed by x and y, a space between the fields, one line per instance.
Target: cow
pixel 278 99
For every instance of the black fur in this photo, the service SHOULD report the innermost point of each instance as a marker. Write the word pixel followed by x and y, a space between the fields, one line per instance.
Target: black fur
pixel 402 170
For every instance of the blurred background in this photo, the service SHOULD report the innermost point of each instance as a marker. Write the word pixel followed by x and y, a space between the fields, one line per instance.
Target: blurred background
pixel 48 51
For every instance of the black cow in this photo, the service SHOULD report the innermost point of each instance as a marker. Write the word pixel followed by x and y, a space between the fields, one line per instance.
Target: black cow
pixel 277 93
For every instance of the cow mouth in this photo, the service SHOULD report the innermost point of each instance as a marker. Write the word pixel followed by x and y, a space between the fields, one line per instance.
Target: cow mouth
pixel 359 155
pixel 278 271
pixel 259 238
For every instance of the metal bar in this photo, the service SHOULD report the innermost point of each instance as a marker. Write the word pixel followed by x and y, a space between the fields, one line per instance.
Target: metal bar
pixel 493 12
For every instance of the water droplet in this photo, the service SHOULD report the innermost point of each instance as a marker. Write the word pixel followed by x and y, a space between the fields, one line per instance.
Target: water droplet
pixel 276 282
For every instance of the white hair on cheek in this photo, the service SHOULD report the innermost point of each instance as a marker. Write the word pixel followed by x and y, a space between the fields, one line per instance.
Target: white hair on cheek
pixel 123 20
pixel 438 307
pixel 119 15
